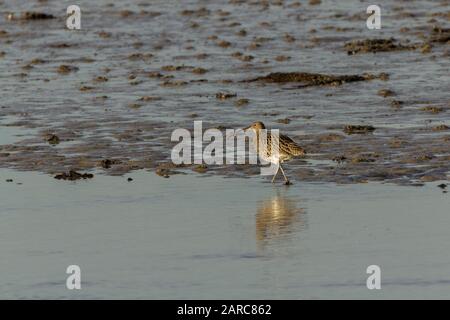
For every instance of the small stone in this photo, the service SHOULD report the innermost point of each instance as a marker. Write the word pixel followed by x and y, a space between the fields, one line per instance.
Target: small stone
pixel 154 74
pixel 201 168
pixel 424 157
pixel 246 58
pixel 106 163
pixel 225 95
pixel 66 69
pixel 53 139
pixel 426 48
pixel 86 88
pixel 223 44
pixel 386 93
pixel 199 70
pixel 149 98
pixel 396 104
pixel 241 102
pixel 134 106
pixel 284 121
pixel 441 127
pixel 432 109
pixel 289 38
pixel 242 33
pixel 339 159
pixel 163 172
pixel 73 175
pixel 282 58
pixel 175 83
pixel 101 79
pixel 358 129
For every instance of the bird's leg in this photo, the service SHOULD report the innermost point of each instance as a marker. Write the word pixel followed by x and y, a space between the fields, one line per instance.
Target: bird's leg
pixel 278 169
pixel 285 178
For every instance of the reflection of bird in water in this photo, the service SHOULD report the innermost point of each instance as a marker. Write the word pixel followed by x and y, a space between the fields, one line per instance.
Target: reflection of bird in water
pixel 275 219
pixel 287 148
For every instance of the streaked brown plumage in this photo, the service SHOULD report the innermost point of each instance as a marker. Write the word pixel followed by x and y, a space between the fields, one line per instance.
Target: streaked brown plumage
pixel 288 148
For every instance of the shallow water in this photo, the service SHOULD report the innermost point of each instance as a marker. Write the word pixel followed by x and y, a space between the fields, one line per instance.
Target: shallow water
pixel 127 42
pixel 204 237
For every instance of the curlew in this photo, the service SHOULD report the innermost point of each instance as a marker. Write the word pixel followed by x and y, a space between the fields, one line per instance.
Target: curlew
pixel 287 148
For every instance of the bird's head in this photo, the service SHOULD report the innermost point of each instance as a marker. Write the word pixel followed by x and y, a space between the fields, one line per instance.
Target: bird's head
pixel 255 126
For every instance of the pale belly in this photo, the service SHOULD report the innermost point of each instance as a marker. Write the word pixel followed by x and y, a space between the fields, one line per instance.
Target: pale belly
pixel 274 159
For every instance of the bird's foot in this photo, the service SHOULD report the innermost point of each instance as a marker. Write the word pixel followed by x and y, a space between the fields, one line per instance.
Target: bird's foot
pixel 287 183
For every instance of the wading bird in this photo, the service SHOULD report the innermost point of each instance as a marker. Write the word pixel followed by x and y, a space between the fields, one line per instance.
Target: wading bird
pixel 287 148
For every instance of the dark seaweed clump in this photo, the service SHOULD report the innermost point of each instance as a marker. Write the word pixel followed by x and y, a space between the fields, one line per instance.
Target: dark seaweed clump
pixel 30 15
pixel 314 79
pixel 374 46
pixel 73 175
pixel 358 129
pixel 37 16
pixel 440 35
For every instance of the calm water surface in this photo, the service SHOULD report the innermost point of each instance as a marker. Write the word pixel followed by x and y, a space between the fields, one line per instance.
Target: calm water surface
pixel 210 237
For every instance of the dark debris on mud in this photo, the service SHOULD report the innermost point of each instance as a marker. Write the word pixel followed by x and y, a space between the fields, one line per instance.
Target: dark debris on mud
pixel 30 15
pixel 315 79
pixel 375 45
pixel 73 175
pixel 358 129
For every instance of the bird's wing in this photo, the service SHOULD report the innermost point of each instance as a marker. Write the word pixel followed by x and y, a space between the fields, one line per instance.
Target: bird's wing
pixel 289 146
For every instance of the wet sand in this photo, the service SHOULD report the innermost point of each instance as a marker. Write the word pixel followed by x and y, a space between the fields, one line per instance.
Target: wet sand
pixel 116 89
pixel 194 237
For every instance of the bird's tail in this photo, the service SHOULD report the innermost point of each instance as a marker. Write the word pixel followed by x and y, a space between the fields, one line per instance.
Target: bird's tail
pixel 299 151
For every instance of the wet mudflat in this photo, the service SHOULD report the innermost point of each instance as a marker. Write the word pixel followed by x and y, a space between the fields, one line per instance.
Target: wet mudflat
pixel 211 237
pixel 116 89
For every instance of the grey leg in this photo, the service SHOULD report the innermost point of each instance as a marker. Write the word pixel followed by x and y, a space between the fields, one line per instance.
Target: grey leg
pixel 278 169
pixel 282 171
